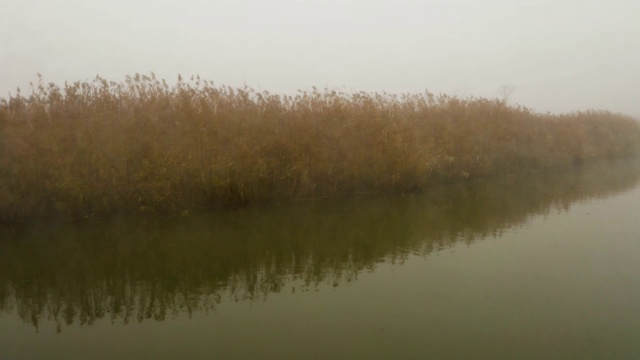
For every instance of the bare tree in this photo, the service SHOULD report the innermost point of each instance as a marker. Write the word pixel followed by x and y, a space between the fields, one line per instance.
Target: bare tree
pixel 505 91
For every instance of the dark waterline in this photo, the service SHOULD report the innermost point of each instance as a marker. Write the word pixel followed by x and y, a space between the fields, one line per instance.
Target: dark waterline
pixel 538 267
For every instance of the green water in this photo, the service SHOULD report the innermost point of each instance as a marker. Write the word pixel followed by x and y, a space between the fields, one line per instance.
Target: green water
pixel 543 266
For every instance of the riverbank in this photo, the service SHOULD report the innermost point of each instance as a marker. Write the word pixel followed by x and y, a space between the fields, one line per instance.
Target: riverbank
pixel 98 148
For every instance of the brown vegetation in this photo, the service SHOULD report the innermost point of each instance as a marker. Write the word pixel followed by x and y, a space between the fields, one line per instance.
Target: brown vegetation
pixel 94 148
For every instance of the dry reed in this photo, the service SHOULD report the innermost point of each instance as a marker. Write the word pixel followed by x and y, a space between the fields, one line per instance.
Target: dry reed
pixel 99 147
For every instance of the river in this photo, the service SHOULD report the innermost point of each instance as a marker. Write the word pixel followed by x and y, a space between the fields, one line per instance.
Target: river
pixel 543 266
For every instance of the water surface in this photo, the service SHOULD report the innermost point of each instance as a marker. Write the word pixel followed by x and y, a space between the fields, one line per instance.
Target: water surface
pixel 544 266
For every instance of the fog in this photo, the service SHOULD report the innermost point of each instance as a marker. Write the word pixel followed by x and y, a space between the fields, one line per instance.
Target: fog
pixel 556 56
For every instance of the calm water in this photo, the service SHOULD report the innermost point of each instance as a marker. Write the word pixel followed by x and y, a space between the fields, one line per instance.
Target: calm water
pixel 541 267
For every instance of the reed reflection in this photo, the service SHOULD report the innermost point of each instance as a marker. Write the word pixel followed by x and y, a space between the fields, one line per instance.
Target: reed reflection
pixel 152 268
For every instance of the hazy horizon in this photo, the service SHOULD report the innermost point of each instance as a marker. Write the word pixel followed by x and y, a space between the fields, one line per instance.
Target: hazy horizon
pixel 557 56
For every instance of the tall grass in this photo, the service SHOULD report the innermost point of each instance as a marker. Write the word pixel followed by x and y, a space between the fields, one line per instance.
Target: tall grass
pixel 94 148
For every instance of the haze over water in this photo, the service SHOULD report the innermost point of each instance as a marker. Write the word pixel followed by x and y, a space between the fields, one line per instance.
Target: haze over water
pixel 541 267
pixel 531 267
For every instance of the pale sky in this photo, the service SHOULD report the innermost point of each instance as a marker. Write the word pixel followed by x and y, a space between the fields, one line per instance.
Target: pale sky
pixel 559 56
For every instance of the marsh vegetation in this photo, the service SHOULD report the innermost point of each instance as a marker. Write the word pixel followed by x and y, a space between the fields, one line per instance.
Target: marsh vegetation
pixel 101 147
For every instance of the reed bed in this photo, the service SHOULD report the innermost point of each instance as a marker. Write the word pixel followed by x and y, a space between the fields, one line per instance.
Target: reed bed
pixel 99 147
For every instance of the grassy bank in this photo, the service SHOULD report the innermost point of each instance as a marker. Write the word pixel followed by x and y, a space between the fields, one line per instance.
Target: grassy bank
pixel 94 148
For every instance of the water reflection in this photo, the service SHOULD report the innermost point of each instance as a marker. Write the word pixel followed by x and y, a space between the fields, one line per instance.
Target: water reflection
pixel 137 269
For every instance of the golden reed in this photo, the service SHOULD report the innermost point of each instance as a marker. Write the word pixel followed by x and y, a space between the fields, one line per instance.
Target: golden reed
pixel 100 147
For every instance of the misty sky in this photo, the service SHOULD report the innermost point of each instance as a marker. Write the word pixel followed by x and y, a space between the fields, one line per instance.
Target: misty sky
pixel 559 56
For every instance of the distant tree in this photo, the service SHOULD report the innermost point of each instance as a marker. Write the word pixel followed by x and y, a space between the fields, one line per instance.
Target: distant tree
pixel 505 91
